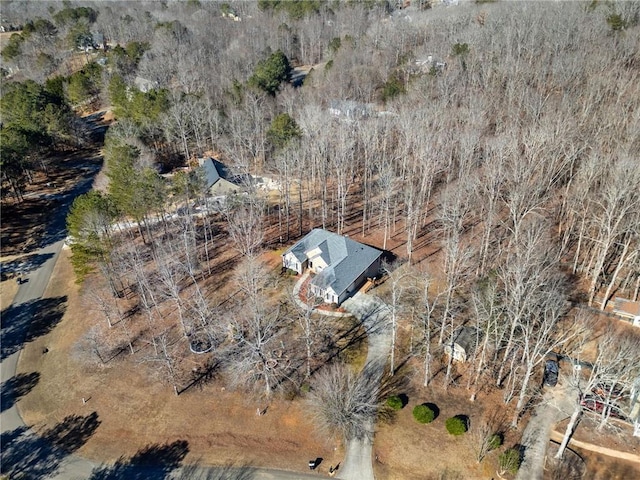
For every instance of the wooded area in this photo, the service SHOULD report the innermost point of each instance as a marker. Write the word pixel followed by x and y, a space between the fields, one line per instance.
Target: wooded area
pixel 502 138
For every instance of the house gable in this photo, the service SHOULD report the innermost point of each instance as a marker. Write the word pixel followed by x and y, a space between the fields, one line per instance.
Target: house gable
pixel 217 177
pixel 339 262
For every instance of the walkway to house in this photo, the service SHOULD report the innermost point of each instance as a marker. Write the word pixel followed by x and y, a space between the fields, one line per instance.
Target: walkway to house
pixel 296 297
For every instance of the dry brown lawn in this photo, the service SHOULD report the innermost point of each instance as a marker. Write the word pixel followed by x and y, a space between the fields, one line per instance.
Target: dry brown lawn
pixel 8 289
pixel 602 467
pixel 407 450
pixel 135 411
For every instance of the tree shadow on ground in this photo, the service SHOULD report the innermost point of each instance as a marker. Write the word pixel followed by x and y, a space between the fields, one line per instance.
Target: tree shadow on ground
pixel 28 455
pixel 227 472
pixel 153 462
pixel 17 387
pixel 24 264
pixel 571 467
pixel 464 419
pixel 37 222
pixel 27 321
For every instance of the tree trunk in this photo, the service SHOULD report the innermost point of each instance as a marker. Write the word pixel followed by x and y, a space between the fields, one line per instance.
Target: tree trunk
pixel 621 262
pixel 523 394
pixel 571 427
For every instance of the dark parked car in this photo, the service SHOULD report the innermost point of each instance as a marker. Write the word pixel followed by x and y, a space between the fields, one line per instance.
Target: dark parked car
pixel 550 378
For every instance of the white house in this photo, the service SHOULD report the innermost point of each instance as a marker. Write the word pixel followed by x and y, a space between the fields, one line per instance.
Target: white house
pixel 340 265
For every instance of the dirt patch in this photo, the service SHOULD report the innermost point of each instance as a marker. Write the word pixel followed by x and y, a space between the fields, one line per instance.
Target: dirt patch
pixel 135 411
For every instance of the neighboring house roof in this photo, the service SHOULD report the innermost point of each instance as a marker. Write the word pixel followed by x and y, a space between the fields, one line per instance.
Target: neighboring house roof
pixel 346 259
pixel 351 109
pixel 626 308
pixel 214 171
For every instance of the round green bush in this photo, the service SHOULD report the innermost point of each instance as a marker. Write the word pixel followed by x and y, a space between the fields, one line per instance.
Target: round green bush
pixel 495 441
pixel 423 414
pixel 456 426
pixel 509 461
pixel 395 402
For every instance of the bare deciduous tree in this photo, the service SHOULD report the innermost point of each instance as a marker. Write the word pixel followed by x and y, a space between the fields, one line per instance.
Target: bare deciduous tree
pixel 245 223
pixel 345 402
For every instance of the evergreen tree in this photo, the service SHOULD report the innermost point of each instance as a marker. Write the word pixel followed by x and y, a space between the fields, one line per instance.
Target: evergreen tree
pixel 270 73
pixel 89 225
pixel 283 129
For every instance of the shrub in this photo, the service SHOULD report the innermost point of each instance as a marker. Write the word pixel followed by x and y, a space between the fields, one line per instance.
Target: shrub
pixel 509 461
pixel 456 426
pixel 495 441
pixel 395 402
pixel 423 414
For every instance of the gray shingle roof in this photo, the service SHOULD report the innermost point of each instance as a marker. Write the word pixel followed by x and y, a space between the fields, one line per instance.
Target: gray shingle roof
pixel 467 337
pixel 214 171
pixel 346 258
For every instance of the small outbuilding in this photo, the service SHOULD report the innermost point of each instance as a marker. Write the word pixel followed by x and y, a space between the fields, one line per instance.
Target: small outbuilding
pixel 464 344
pixel 627 309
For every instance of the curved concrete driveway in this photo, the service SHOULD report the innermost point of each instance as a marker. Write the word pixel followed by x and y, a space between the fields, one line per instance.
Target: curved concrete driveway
pixel 556 404
pixel 372 312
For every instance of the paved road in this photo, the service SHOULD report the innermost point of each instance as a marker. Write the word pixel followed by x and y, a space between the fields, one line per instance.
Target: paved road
pixel 373 313
pixel 27 293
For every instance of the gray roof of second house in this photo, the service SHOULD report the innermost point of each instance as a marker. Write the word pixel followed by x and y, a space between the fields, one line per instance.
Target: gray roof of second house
pixel 214 171
pixel 346 259
pixel 351 108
